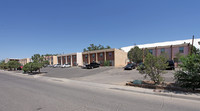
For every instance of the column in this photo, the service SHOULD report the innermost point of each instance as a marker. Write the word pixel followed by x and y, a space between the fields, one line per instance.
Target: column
pixel 88 58
pixel 104 56
pixel 61 60
pixel 96 57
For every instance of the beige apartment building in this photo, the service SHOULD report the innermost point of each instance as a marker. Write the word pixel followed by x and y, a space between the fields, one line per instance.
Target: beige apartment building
pixel 73 59
pixel 116 57
pixel 11 59
pixel 25 61
pixel 52 59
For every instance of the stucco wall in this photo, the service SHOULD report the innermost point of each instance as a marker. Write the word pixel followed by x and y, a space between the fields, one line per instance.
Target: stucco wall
pixel 120 58
pixel 55 60
pixel 79 59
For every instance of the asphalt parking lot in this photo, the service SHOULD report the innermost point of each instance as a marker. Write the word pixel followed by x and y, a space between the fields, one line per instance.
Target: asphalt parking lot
pixel 105 75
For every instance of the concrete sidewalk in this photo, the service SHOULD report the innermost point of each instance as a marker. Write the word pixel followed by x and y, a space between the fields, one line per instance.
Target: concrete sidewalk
pixel 127 89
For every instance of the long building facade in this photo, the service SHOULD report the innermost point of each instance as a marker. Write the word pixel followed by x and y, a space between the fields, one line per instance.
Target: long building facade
pixel 115 57
pixel 52 59
pixel 25 61
pixel 73 59
pixel 171 51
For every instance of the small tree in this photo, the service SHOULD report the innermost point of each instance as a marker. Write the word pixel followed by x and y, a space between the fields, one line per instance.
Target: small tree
pixel 135 55
pixel 45 63
pixel 38 60
pixel 154 67
pixel 93 47
pixel 189 75
pixel 106 63
pixel 31 66
pixel 3 65
pixel 13 64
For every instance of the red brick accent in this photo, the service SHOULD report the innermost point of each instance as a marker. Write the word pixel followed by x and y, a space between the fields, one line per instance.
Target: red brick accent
pixel 74 60
pixel 101 59
pixel 69 59
pixel 110 55
pixel 59 60
pixel 85 60
pixel 93 57
pixel 63 59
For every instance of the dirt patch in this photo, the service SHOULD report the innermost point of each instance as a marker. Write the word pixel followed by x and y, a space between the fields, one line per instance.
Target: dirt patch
pixel 172 87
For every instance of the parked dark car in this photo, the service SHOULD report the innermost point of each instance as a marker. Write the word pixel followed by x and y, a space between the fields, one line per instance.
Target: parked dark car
pixel 130 66
pixel 170 65
pixel 92 65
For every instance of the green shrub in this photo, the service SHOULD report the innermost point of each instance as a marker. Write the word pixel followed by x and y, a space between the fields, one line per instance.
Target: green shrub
pixel 13 65
pixel 189 75
pixel 3 65
pixel 106 63
pixel 153 67
pixel 30 67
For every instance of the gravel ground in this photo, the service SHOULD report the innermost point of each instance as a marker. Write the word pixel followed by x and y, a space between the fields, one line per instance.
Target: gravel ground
pixel 105 75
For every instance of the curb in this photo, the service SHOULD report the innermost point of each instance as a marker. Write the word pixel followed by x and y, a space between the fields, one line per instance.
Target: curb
pixel 161 94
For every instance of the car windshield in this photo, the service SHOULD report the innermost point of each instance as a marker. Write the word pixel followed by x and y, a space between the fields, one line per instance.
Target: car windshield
pixel 128 65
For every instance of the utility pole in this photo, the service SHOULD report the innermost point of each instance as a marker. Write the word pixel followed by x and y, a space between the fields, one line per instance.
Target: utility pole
pixel 192 44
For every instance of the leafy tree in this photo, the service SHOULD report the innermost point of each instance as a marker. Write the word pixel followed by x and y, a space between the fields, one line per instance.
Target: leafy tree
pixel 135 55
pixel 189 75
pixel 146 52
pixel 93 47
pixel 38 60
pixel 3 65
pixel 154 67
pixel 13 64
pixel 195 50
pixel 45 63
pixel 50 55
pixel 31 66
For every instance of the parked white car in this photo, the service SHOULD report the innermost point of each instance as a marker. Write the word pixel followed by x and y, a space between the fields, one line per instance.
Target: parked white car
pixel 50 65
pixel 65 65
pixel 56 65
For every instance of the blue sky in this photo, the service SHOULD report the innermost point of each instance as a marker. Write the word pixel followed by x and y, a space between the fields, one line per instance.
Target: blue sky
pixel 28 27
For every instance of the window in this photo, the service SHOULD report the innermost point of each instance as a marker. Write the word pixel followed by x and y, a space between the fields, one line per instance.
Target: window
pixel 101 55
pixel 110 54
pixel 74 57
pixel 75 64
pixel 68 57
pixel 64 58
pixel 162 50
pixel 151 51
pixel 59 58
pixel 93 55
pixel 86 56
pixel 181 49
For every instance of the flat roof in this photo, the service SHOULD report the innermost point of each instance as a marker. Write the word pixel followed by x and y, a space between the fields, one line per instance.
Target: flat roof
pixel 177 42
pixel 96 51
